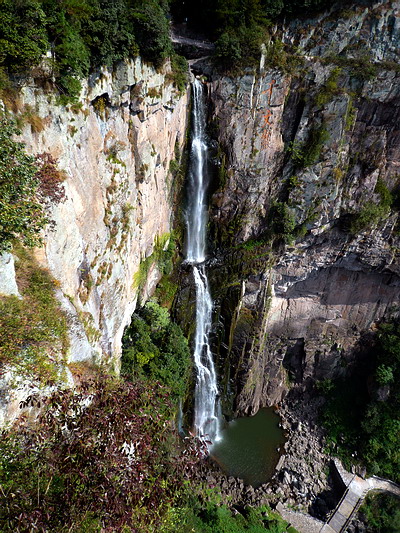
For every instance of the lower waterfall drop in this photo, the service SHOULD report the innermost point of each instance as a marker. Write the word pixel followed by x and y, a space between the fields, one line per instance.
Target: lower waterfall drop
pixel 206 407
pixel 206 420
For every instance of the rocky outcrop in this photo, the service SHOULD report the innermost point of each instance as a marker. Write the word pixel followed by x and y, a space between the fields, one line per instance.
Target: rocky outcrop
pixel 115 147
pixel 310 152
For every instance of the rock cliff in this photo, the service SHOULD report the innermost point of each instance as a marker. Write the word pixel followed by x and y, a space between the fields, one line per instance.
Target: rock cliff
pixel 307 200
pixel 115 146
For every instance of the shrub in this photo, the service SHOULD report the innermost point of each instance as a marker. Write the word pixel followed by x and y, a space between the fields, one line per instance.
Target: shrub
pixel 358 423
pixel 100 458
pixel 21 215
pixel 152 31
pixel 179 75
pixel 281 221
pixel 239 47
pixel 329 89
pixel 51 189
pixel 372 213
pixel 23 35
pixel 368 216
pixel 307 153
pixel 382 513
pixel 155 348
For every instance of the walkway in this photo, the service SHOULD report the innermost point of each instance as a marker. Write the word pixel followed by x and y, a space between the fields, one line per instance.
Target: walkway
pixel 204 45
pixel 356 488
pixel 353 497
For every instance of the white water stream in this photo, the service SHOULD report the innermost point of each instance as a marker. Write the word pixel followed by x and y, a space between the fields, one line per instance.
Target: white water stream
pixel 206 408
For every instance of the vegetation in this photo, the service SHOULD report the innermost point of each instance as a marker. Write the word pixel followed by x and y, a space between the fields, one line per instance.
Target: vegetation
pixel 156 349
pixel 239 27
pixel 362 412
pixel 330 88
pixel 372 213
pixel 306 153
pixel 33 330
pixel 163 252
pixel 215 16
pixel 212 518
pixel 21 214
pixel 94 464
pixel 80 34
pixel 382 513
pixel 281 221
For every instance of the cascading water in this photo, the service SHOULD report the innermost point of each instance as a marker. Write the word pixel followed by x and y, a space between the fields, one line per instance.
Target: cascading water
pixel 206 419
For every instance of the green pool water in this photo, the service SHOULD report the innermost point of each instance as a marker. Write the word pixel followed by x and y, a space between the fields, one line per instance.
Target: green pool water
pixel 248 448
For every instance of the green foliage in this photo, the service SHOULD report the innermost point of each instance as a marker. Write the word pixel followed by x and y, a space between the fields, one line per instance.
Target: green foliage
pixel 100 458
pixel 329 89
pixel 382 513
pixel 179 72
pixel 368 216
pixel 362 67
pixel 162 255
pixel 21 214
pixel 281 221
pixel 155 348
pixel 81 34
pixel 23 36
pixel 166 290
pixel 307 153
pixel 280 56
pixel 359 422
pixel 212 518
pixel 372 213
pixel 239 47
pixel 33 330
pixel 152 30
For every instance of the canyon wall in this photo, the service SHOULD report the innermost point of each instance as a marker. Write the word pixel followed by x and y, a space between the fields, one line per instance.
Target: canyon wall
pixel 115 146
pixel 309 150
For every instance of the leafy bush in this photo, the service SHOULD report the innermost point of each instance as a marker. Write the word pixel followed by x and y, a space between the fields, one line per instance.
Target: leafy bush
pixel 359 422
pixel 21 214
pixel 307 153
pixel 239 47
pixel 382 513
pixel 81 34
pixel 372 213
pixel 152 31
pixel 179 74
pixel 281 221
pixel 51 189
pixel 330 88
pixel 212 518
pixel 23 36
pixel 101 458
pixel 162 255
pixel 280 56
pixel 155 348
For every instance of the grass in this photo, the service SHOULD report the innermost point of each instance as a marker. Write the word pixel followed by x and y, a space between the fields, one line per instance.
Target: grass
pixel 161 256
pixel 33 330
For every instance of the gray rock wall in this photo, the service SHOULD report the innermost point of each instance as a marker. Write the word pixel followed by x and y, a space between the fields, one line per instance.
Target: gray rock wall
pixel 307 302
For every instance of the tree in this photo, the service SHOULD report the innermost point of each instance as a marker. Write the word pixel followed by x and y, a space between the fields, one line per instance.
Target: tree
pixel 23 37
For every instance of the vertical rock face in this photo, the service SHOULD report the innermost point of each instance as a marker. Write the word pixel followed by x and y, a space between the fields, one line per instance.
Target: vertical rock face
pixel 309 158
pixel 115 147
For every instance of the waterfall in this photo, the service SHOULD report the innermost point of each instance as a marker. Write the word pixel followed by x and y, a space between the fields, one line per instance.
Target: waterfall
pixel 206 419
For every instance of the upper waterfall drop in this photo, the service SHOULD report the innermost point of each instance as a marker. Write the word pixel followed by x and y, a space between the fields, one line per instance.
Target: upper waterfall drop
pixel 206 405
pixel 196 214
